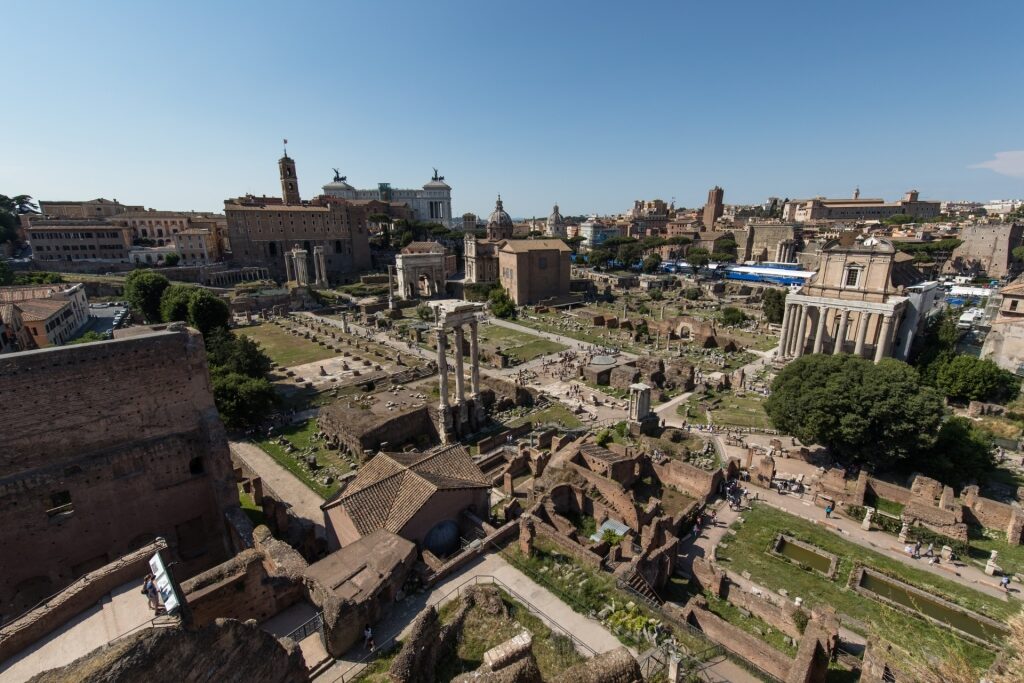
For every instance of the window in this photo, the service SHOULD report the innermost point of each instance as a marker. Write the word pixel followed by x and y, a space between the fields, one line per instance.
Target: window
pixel 60 503
pixel 1013 305
pixel 852 276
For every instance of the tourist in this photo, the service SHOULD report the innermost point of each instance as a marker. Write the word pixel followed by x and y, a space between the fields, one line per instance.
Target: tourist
pixel 151 593
pixel 368 638
pixel 917 550
pixel 1004 583
pixel 934 560
pixel 828 511
pixel 930 550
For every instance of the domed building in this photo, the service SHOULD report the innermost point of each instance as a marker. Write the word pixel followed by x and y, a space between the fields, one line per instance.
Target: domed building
pixel 499 224
pixel 556 224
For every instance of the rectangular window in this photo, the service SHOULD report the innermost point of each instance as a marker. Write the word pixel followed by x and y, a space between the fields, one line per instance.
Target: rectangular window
pixel 851 277
pixel 1013 305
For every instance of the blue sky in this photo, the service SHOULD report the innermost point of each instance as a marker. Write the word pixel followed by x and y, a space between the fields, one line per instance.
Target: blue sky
pixel 591 104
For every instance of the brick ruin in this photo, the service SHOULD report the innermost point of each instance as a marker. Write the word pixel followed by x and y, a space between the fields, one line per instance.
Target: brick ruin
pixel 106 447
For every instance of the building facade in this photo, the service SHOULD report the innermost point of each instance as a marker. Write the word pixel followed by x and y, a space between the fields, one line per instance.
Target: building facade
pixel 91 208
pixel 858 208
pixel 714 208
pixel 49 315
pixel 197 247
pixel 421 270
pixel 481 256
pixel 532 271
pixel 556 225
pixel 595 233
pixel 55 240
pixel 262 229
pixel 432 203
pixel 856 303
pixel 987 249
pixel 775 242
pixel 1004 344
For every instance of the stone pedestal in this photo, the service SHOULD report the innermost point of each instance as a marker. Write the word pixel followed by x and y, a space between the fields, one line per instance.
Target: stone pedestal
pixel 674 670
pixel 866 522
pixel 904 532
pixel 991 568
pixel 946 553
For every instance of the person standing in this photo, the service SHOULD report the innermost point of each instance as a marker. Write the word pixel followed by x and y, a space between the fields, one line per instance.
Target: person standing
pixel 828 511
pixel 149 588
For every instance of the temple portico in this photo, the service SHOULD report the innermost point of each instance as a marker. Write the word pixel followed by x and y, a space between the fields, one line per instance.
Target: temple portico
pixel 813 324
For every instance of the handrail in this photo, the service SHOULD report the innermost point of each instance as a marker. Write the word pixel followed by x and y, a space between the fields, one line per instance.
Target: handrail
pixel 388 644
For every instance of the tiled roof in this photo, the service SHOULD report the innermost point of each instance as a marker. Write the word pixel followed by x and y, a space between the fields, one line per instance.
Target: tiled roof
pixel 40 309
pixel 391 488
pixel 522 246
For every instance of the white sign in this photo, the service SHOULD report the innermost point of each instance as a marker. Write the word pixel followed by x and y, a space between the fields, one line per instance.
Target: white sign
pixel 163 584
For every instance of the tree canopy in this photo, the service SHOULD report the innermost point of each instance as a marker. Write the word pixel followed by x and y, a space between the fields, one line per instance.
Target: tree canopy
pixel 143 290
pixel 733 316
pixel 774 305
pixel 502 305
pixel 879 414
pixel 966 378
pixel 651 263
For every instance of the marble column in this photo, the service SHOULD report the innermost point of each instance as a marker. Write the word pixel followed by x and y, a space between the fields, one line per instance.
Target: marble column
pixel 794 313
pixel 844 317
pixel 442 367
pixel 460 387
pixel 289 266
pixel 783 334
pixel 819 335
pixel 884 338
pixel 474 361
pixel 862 332
pixel 801 329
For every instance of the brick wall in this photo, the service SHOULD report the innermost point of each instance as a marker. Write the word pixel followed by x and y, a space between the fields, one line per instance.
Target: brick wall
pixel 107 446
pixel 884 489
pixel 751 648
pixel 693 481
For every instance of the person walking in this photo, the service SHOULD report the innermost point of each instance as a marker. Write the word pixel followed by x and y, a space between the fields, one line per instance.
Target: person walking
pixel 1004 583
pixel 828 511
pixel 151 593
pixel 368 638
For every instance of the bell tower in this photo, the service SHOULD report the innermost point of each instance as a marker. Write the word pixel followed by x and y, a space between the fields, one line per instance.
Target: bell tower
pixel 289 181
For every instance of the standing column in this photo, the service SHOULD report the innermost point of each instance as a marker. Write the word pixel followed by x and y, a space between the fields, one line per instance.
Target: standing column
pixel 474 361
pixel 794 313
pixel 460 388
pixel 801 327
pixel 882 347
pixel 784 333
pixel 289 266
pixel 819 335
pixel 442 367
pixel 862 333
pixel 844 316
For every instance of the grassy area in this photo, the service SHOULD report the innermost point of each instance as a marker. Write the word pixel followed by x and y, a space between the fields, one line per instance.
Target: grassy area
pixel 555 413
pixel 377 670
pixel 747 551
pixel 522 346
pixel 672 501
pixel 751 624
pixel 300 435
pixel 889 506
pixel 284 348
pixel 740 411
pixel 253 511
pixel 481 631
pixel 984 541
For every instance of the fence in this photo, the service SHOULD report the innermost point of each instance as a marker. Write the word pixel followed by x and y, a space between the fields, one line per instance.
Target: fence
pixel 481 580
pixel 313 625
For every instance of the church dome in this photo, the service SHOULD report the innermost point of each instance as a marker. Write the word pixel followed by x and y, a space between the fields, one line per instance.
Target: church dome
pixel 555 218
pixel 499 218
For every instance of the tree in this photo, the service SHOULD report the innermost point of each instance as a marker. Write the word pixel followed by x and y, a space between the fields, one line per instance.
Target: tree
pixel 1018 253
pixel 143 289
pixel 90 336
pixel 599 258
pixel 242 401
pixel 962 454
pixel 174 303
pixel 774 305
pixel 651 263
pixel 407 238
pixel 502 305
pixel 425 312
pixel 171 259
pixel 629 253
pixel 966 378
pixel 722 257
pixel 898 219
pixel 236 353
pixel 6 274
pixel 10 209
pixel 733 316
pixel 574 243
pixel 691 293
pixel 862 412
pixel 478 291
pixel 937 346
pixel 656 295
pixel 698 257
pixel 207 311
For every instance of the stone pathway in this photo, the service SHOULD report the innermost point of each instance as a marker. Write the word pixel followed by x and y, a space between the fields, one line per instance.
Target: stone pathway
pixel 304 501
pixel 560 338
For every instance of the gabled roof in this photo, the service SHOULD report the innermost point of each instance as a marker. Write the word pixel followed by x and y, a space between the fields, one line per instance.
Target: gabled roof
pixel 391 488
pixel 523 246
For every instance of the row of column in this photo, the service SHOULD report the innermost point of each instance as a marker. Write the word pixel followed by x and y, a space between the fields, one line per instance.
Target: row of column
pixel 798 317
pixel 442 365
pixel 296 267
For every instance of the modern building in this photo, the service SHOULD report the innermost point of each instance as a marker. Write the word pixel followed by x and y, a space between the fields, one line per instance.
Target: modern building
pixel 432 203
pixel 714 208
pixel 44 315
pixel 858 208
pixel 91 208
pixel 856 303
pixel 418 496
pixel 71 239
pixel 532 271
pixel 262 229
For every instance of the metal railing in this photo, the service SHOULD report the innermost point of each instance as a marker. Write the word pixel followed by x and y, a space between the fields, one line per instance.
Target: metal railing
pixel 313 625
pixel 483 579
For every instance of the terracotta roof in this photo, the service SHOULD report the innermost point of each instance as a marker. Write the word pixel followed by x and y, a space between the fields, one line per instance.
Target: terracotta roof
pixel 391 488
pixel 522 246
pixel 40 309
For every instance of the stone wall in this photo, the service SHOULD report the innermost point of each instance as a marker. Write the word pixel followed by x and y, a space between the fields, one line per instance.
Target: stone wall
pixel 889 491
pixel 615 666
pixel 617 497
pixel 753 649
pixel 105 447
pixel 693 481
pixel 567 545
pixel 226 651
pixel 73 600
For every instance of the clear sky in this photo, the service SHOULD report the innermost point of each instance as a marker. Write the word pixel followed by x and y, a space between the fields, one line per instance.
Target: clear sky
pixel 179 105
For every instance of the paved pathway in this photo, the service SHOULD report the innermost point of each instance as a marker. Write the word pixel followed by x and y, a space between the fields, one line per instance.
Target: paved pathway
pixel 304 501
pixel 560 338
pixel 590 632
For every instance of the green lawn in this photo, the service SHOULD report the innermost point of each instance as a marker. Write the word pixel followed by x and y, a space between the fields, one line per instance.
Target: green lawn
pixel 300 435
pixel 284 348
pixel 983 542
pixel 555 413
pixel 747 551
pixel 516 344
pixel 727 409
pixel 253 511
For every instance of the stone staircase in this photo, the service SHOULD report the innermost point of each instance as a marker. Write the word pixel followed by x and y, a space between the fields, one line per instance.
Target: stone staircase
pixel 634 583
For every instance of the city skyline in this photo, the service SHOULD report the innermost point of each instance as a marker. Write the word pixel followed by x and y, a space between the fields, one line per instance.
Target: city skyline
pixel 590 106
